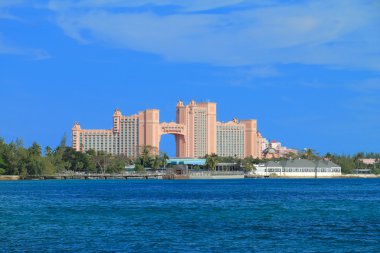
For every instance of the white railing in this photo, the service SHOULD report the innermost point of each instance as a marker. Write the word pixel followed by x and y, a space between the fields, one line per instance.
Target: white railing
pixel 215 173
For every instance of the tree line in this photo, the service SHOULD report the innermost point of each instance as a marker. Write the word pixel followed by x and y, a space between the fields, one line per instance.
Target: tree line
pixel 347 162
pixel 245 164
pixel 15 159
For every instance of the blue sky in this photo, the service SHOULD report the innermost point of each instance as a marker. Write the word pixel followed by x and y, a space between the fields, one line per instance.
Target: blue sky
pixel 308 71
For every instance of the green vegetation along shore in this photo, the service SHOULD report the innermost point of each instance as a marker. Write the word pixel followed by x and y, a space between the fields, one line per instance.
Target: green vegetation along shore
pixel 15 159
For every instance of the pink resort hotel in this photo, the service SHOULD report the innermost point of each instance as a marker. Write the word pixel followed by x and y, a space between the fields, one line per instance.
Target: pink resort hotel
pixel 196 131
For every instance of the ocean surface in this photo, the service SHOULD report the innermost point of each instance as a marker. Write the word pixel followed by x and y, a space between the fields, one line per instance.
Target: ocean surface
pixel 251 215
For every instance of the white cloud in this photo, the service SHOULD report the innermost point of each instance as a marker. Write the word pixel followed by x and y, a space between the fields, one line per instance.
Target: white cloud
pixel 10 3
pixel 257 32
pixel 335 33
pixel 194 5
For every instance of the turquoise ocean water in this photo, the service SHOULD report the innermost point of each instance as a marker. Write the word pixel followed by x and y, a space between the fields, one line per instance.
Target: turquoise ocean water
pixel 257 215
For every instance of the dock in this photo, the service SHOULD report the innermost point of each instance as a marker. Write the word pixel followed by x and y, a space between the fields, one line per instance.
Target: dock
pixel 97 176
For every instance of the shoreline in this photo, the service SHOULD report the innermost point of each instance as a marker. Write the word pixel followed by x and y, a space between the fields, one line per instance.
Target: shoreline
pixel 163 177
pixel 320 177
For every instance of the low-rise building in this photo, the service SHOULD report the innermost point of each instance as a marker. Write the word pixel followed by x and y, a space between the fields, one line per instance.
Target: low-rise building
pixel 299 168
pixel 370 161
pixel 361 171
pixel 276 150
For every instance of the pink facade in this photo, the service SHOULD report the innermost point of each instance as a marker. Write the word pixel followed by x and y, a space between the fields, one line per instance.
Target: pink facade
pixel 197 133
pixel 370 160
pixel 199 120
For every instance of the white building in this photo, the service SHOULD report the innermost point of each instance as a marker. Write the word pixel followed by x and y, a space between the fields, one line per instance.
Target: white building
pixel 264 144
pixel 299 168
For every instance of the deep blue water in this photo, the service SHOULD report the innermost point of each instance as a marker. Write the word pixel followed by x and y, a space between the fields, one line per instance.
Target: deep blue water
pixel 257 215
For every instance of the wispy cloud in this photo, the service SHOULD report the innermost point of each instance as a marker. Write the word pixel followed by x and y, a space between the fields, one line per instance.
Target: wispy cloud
pixel 247 76
pixel 5 15
pixel 365 105
pixel 367 86
pixel 335 33
pixel 7 47
pixel 260 72
pixel 31 54
pixel 184 6
pixel 10 3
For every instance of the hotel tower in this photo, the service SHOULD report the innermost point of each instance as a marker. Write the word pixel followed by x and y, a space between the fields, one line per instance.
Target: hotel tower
pixel 196 131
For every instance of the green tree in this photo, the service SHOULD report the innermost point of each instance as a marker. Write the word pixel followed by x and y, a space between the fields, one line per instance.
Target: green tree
pixel 16 158
pixel 91 166
pixel 63 141
pixel 147 156
pixel 291 155
pixel 156 162
pixel 376 169
pixel 3 164
pixel 309 154
pixel 164 159
pixel 102 161
pixel 211 161
pixel 345 162
pixel 74 160
pixel 196 167
pixel 328 156
pixel 139 168
pixel 58 161
pixel 117 165
pixel 78 166
pixel 48 151
pixel 357 160
pixel 35 149
pixel 247 163
pixel 48 167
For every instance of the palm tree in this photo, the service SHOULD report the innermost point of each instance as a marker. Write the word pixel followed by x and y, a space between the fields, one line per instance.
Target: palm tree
pixel 48 151
pixel 146 155
pixel 247 163
pixel 291 155
pixel 211 161
pixel 164 158
pixel 156 162
pixel 328 156
pixel 309 154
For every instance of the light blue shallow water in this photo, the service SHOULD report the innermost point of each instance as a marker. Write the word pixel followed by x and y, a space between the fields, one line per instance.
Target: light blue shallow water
pixel 258 215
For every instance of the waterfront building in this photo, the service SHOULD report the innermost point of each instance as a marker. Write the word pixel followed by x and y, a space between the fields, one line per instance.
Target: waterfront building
pixel 270 153
pixel 200 163
pixel 276 150
pixel 264 144
pixel 187 161
pixel 361 171
pixel 230 139
pixel 370 161
pixel 127 135
pixel 238 139
pixel 299 168
pixel 199 123
pixel 196 130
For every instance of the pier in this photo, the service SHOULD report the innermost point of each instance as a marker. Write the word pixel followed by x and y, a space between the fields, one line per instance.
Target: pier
pixel 97 176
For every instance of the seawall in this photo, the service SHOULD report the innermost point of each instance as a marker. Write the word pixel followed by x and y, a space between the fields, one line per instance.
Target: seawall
pixel 9 178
